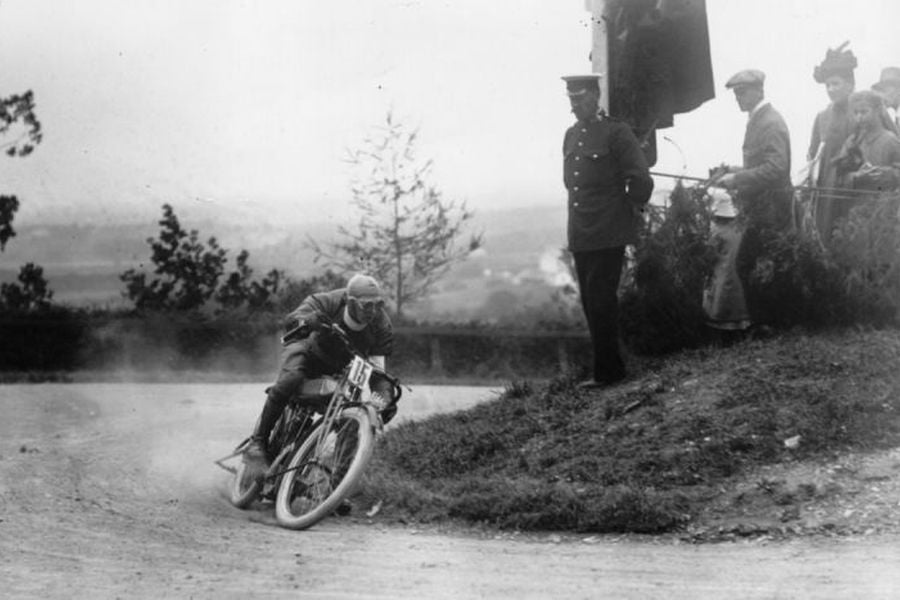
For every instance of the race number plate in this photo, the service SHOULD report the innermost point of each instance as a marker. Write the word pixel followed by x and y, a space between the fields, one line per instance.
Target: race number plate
pixel 360 371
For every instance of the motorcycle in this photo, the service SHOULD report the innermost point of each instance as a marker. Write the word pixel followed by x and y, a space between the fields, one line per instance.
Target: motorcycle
pixel 322 444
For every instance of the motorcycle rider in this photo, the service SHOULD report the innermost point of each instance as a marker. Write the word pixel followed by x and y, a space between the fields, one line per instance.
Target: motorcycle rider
pixel 309 352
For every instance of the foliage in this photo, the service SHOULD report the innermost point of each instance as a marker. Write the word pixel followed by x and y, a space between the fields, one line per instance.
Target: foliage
pixel 866 249
pixel 189 274
pixel 240 290
pixel 293 292
pixel 407 231
pixel 662 287
pixel 19 108
pixel 8 207
pixel 789 279
pixel 31 294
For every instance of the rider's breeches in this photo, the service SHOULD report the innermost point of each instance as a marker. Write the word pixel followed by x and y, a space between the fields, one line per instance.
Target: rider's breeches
pixel 296 367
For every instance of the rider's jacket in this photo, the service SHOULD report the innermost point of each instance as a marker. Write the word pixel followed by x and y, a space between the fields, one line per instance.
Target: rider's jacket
pixel 376 339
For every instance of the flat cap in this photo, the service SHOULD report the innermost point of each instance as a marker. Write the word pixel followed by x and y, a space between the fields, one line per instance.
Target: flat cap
pixel 577 85
pixel 746 77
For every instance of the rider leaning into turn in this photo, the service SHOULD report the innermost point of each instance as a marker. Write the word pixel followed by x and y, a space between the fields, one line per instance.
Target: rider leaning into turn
pixel 310 352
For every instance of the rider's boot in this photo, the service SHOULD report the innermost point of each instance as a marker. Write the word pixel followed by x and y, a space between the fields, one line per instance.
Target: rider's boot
pixel 256 455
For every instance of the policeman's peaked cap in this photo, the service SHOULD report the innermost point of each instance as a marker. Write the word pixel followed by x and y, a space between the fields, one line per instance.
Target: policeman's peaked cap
pixel 577 85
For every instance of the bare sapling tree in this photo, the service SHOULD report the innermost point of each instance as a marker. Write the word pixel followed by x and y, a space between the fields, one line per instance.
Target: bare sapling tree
pixel 407 232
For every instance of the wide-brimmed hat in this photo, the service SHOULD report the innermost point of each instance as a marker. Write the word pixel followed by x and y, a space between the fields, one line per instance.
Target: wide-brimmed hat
pixel 889 76
pixel 838 61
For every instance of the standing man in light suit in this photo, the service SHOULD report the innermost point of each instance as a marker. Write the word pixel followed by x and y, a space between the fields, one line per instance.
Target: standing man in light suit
pixel 608 183
pixel 763 182
pixel 762 186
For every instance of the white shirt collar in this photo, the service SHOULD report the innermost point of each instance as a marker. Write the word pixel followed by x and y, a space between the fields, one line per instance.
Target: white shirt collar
pixel 756 108
pixel 350 322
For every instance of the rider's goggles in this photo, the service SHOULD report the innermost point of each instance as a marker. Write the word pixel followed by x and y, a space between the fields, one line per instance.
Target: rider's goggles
pixel 368 304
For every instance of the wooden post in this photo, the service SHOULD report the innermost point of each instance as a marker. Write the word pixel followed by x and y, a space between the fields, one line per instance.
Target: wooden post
pixel 562 355
pixel 600 48
pixel 434 355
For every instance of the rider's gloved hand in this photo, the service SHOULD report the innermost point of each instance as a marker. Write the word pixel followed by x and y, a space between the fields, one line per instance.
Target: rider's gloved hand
pixel 299 329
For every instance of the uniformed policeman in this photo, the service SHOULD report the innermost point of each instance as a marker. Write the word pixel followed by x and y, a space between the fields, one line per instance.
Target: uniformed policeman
pixel 608 180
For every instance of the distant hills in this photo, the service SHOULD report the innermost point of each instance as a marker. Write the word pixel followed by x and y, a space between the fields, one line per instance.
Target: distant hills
pixel 82 262
pixel 518 266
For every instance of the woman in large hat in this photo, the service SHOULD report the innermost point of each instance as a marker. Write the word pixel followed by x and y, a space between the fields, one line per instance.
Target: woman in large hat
pixel 831 129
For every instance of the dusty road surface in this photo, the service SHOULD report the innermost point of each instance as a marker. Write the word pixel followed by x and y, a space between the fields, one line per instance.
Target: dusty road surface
pixel 109 491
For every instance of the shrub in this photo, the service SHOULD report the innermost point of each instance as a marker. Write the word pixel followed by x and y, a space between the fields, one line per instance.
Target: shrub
pixel 662 307
pixel 866 250
pixel 789 279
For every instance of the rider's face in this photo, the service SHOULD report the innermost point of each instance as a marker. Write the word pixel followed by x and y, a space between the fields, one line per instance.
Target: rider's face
pixel 363 310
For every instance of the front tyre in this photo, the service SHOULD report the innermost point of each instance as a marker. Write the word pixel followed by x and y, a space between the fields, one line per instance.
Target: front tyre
pixel 323 473
pixel 244 489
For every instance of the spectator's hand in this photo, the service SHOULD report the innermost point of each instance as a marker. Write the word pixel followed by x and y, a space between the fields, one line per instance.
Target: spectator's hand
pixel 726 181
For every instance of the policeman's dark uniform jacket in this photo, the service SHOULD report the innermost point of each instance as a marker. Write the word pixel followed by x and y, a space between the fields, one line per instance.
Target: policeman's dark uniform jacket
pixel 608 183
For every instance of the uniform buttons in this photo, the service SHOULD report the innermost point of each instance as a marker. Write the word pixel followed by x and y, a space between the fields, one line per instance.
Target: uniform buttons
pixel 575 189
pixel 577 173
pixel 594 156
pixel 574 204
pixel 577 158
pixel 583 130
pixel 581 143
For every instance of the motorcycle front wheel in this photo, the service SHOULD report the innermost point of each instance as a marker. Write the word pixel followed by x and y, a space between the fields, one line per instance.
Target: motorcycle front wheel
pixel 244 489
pixel 325 470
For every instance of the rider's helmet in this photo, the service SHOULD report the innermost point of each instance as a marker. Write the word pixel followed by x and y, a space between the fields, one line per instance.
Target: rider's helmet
pixel 364 298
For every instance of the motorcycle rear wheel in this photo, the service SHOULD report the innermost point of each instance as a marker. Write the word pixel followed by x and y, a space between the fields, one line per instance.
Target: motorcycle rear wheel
pixel 320 476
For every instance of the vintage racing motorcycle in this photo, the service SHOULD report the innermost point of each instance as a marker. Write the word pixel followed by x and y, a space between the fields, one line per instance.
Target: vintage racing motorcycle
pixel 322 444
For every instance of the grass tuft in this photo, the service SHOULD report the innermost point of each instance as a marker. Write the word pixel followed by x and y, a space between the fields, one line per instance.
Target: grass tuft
pixel 646 456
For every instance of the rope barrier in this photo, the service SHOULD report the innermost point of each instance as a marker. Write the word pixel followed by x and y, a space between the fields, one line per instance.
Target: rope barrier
pixel 825 192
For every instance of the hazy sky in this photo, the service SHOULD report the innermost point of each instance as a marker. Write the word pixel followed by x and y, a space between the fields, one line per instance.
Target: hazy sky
pixel 250 106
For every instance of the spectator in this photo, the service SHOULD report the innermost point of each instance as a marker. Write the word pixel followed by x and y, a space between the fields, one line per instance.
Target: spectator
pixel 723 298
pixel 608 183
pixel 870 158
pixel 762 190
pixel 889 88
pixel 831 129
pixel 763 184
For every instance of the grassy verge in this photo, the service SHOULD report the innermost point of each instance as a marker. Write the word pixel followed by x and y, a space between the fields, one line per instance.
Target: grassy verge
pixel 648 455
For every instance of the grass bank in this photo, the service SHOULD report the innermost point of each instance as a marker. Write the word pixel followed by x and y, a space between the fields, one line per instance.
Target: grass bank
pixel 648 455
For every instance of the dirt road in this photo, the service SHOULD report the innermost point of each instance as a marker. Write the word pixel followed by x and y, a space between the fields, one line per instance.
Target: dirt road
pixel 109 491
